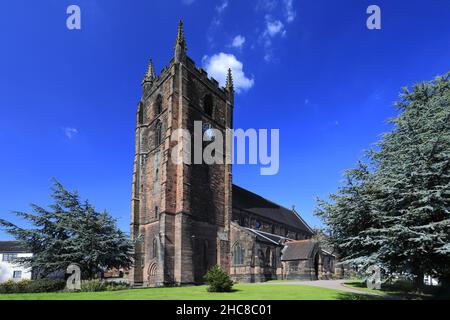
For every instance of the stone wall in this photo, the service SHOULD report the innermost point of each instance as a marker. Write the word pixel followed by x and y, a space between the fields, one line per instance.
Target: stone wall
pixel 298 270
pixel 260 260
pixel 181 209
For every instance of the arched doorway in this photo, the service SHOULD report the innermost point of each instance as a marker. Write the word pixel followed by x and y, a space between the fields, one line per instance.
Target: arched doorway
pixel 152 271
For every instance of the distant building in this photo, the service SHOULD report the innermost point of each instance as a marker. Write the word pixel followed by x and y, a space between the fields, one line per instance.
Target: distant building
pixel 10 251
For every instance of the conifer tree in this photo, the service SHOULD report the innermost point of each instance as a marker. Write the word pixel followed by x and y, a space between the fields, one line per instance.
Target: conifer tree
pixel 397 214
pixel 70 231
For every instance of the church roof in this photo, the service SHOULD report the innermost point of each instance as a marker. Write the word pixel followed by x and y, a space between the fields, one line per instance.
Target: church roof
pixel 268 237
pixel 299 250
pixel 251 202
pixel 12 247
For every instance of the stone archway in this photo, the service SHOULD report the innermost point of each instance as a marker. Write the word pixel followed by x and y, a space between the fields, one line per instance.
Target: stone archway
pixel 152 273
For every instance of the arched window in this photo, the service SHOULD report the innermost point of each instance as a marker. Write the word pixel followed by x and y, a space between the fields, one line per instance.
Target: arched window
pixel 268 257
pixel 156 212
pixel 262 258
pixel 158 104
pixel 238 254
pixel 158 134
pixel 141 113
pixel 155 247
pixel 208 104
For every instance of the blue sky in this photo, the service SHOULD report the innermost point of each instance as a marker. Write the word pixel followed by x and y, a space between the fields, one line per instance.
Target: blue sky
pixel 308 67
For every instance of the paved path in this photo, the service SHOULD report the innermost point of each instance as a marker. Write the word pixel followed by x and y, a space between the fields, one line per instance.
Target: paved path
pixel 330 284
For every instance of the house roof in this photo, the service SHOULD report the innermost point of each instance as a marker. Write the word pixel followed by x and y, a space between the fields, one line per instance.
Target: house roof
pixel 251 202
pixel 299 250
pixel 12 247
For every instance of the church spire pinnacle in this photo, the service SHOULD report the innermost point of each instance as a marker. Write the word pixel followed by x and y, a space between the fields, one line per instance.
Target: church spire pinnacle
pixel 180 45
pixel 229 84
pixel 180 34
pixel 150 74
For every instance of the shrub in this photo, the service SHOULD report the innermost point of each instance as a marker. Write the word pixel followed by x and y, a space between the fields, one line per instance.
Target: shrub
pixel 36 286
pixel 22 286
pixel 53 285
pixel 99 285
pixel 116 286
pixel 8 287
pixel 46 285
pixel 218 280
pixel 92 285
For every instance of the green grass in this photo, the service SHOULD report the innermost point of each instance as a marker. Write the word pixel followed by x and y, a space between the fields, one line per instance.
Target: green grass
pixel 242 292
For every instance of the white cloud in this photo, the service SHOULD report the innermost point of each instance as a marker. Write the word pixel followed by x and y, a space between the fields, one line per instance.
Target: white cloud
pixel 222 6
pixel 278 14
pixel 306 101
pixel 274 27
pixel 278 7
pixel 289 10
pixel 216 21
pixel 267 5
pixel 217 67
pixel 238 41
pixel 70 132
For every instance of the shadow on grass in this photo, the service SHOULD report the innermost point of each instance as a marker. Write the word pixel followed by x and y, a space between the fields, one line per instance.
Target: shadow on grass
pixel 357 296
pixel 405 290
pixel 231 291
pixel 358 284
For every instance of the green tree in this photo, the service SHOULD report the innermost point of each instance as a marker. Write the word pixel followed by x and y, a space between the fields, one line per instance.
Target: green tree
pixel 218 280
pixel 395 211
pixel 70 231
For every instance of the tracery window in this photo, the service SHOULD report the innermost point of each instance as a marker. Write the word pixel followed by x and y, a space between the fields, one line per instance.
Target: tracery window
pixel 141 113
pixel 158 134
pixel 158 104
pixel 155 247
pixel 238 254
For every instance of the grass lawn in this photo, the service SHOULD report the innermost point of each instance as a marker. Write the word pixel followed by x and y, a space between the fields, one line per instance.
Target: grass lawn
pixel 400 290
pixel 242 292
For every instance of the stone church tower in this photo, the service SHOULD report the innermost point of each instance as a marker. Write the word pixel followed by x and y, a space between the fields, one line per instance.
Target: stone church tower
pixel 180 213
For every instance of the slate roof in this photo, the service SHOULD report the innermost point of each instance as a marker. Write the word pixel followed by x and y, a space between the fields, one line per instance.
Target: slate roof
pixel 12 247
pixel 251 202
pixel 299 250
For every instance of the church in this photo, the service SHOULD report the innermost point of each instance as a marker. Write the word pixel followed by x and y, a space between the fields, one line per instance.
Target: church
pixel 186 218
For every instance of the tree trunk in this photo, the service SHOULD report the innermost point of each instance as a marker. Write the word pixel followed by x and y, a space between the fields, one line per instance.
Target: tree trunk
pixel 418 281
